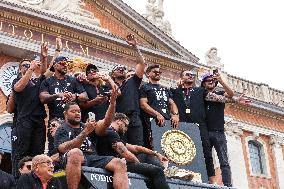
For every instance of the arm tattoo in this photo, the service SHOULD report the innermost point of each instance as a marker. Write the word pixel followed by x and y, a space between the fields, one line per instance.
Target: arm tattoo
pixel 120 148
pixel 218 98
pixel 75 143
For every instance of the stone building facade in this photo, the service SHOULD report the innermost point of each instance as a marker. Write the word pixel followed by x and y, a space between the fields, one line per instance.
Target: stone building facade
pixel 255 133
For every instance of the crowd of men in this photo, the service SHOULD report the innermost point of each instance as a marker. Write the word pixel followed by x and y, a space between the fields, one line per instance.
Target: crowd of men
pixel 104 120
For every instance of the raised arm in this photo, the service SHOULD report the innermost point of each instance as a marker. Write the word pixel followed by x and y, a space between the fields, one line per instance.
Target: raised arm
pixel 141 65
pixel 44 54
pixel 228 91
pixel 78 141
pixel 22 83
pixel 105 123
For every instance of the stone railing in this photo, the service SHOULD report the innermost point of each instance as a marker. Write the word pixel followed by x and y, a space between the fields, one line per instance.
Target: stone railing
pixel 258 91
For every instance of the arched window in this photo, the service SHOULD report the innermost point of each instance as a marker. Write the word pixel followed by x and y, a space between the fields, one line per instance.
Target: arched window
pixel 257 157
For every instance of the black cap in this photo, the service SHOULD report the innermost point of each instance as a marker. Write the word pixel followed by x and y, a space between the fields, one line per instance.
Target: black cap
pixel 91 66
pixel 57 60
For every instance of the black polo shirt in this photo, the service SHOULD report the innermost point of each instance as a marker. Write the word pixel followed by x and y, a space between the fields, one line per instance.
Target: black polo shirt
pixel 98 109
pixel 158 98
pixel 32 181
pixel 128 101
pixel 192 99
pixel 215 114
pixel 66 133
pixel 27 101
pixel 53 85
pixel 104 143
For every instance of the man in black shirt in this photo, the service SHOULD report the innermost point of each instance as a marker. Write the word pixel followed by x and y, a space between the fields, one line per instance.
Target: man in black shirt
pixel 7 180
pixel 41 176
pixel 58 90
pixel 139 159
pixel 73 135
pixel 156 101
pixel 98 92
pixel 128 101
pixel 190 101
pixel 30 113
pixel 215 122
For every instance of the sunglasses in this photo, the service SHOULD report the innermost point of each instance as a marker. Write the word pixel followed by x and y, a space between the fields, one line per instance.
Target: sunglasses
pixel 157 72
pixel 63 63
pixel 190 74
pixel 91 71
pixel 26 65
pixel 209 80
pixel 121 69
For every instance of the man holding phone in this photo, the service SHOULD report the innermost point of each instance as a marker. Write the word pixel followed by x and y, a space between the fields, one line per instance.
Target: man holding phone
pixel 97 86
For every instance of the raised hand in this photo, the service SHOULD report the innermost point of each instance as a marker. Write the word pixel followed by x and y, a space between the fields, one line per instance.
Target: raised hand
pixel 113 96
pixel 58 42
pixel 44 49
pixel 131 40
pixel 243 100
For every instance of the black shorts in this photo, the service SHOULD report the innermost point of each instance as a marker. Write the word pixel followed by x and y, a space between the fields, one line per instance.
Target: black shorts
pixel 90 160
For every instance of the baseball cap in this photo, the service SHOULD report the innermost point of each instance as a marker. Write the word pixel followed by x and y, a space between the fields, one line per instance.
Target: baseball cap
pixel 57 60
pixel 91 66
pixel 206 76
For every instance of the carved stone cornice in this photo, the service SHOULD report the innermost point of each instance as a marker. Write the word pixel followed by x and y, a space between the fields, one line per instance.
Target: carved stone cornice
pixel 276 141
pixel 232 128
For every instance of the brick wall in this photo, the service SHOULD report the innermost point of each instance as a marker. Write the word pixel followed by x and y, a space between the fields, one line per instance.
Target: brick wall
pixel 257 181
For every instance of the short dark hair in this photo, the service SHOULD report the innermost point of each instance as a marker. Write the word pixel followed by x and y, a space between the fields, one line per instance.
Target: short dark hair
pixel 151 67
pixel 23 161
pixel 119 116
pixel 23 60
pixel 68 105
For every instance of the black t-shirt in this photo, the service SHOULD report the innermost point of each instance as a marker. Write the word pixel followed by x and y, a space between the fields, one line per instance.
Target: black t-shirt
pixel 98 109
pixel 53 85
pixel 215 114
pixel 32 181
pixel 192 99
pixel 104 143
pixel 66 133
pixel 7 181
pixel 128 101
pixel 158 98
pixel 27 101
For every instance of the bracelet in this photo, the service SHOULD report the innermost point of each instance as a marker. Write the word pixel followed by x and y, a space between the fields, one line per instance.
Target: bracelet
pixel 156 153
pixel 175 113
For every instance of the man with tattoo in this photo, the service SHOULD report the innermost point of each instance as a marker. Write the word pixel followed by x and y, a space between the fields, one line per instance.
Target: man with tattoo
pixel 157 103
pixel 58 90
pixel 190 101
pixel 128 101
pixel 215 122
pixel 29 125
pixel 74 146
pixel 139 159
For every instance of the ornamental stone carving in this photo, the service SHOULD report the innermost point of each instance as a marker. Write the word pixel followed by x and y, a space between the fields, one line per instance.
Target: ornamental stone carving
pixel 213 60
pixel 155 14
pixel 276 140
pixel 70 9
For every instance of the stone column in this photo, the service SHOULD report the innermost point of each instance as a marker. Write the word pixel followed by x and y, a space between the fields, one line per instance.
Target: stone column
pixel 276 143
pixel 236 156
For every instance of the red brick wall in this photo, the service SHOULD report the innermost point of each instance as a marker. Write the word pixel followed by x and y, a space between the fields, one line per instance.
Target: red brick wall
pixel 254 181
pixel 4 59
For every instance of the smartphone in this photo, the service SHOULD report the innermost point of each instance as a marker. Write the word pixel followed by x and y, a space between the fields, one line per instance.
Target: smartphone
pixel 92 116
pixel 215 71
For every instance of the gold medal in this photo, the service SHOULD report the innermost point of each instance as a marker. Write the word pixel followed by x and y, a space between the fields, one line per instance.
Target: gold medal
pixel 187 110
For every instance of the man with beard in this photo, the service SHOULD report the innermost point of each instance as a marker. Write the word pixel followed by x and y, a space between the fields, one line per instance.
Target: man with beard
pixel 41 176
pixel 156 102
pixel 29 125
pixel 98 92
pixel 73 135
pixel 58 90
pixel 190 101
pixel 128 101
pixel 139 159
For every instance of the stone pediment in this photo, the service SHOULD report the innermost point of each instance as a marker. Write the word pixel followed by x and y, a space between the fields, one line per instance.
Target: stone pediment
pixel 110 18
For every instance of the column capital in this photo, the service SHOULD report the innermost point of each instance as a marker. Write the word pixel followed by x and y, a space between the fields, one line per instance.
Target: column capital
pixel 233 129
pixel 276 140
